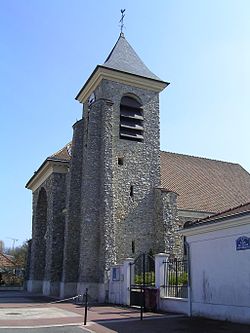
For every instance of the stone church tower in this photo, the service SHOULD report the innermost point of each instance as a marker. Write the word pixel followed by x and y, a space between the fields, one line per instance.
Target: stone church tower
pixel 100 208
pixel 118 139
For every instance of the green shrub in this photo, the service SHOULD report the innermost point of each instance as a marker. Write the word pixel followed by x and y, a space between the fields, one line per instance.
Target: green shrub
pixel 182 279
pixel 149 278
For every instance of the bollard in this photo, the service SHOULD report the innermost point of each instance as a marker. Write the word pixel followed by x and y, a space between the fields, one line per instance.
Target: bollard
pixel 86 307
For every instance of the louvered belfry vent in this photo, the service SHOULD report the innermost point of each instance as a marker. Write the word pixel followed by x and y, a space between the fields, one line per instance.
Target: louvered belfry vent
pixel 131 119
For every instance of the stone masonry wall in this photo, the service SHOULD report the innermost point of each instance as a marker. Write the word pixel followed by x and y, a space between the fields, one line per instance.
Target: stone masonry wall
pixel 73 213
pixel 56 245
pixel 122 218
pixel 39 227
pixel 167 224
pixel 111 218
pixel 48 229
pixel 90 197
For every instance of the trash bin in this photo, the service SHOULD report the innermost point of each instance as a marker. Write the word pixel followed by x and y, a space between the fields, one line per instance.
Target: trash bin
pixel 151 297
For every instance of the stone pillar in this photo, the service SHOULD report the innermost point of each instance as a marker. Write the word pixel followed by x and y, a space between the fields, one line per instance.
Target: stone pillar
pixel 38 245
pixel 91 249
pixel 68 286
pixel 160 258
pixel 166 223
pixel 128 274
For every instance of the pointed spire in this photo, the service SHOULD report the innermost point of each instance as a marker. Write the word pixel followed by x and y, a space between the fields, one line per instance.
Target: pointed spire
pixel 122 61
pixel 124 58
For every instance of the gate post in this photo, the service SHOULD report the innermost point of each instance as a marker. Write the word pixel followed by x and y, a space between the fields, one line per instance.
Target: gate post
pixel 160 258
pixel 128 271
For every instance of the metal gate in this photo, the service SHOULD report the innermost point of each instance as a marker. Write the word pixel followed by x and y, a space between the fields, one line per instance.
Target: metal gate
pixel 142 281
pixel 176 278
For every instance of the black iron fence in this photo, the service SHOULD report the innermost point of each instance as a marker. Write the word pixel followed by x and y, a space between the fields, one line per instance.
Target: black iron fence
pixel 176 278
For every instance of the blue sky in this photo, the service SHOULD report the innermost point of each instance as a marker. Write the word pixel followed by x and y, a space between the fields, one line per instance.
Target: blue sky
pixel 49 48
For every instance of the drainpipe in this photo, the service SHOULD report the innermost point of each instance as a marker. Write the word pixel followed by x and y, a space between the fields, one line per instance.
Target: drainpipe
pixel 189 279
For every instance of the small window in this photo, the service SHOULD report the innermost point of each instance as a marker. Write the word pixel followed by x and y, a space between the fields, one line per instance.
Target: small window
pixel 131 191
pixel 133 246
pixel 120 160
pixel 185 251
pixel 131 119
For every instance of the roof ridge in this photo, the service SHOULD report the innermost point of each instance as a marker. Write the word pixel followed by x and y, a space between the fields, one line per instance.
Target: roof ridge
pixel 200 157
pixel 60 150
pixel 217 216
pixel 7 257
pixel 225 211
pixel 110 53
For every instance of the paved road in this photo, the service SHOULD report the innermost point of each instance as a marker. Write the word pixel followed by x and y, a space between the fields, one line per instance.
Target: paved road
pixel 103 319
pixel 164 325
pixel 65 329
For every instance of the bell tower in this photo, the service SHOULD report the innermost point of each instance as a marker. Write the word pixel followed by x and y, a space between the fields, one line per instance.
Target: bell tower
pixel 121 164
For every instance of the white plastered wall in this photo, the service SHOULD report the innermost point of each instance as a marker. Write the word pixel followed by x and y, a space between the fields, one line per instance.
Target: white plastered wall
pixel 220 275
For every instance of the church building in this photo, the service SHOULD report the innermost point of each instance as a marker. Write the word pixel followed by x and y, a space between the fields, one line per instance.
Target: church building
pixel 111 193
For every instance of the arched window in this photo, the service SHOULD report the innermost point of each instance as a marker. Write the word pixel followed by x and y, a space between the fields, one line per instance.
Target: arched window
pixel 131 119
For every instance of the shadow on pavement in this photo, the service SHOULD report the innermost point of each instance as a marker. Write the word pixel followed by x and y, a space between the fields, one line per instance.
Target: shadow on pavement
pixel 175 325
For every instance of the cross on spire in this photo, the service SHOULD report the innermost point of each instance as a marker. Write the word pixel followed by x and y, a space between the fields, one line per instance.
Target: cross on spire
pixel 121 20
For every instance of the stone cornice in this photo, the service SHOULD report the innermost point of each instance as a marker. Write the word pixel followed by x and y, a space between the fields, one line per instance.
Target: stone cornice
pixel 47 168
pixel 229 222
pixel 101 72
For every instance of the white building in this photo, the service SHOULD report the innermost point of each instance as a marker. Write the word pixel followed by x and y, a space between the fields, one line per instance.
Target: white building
pixel 219 252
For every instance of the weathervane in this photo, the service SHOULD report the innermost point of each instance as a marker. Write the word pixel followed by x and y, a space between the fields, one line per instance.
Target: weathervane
pixel 121 20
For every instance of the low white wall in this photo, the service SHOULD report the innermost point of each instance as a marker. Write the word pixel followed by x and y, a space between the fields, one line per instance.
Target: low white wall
pixel 119 282
pixel 239 314
pixel 116 286
pixel 177 305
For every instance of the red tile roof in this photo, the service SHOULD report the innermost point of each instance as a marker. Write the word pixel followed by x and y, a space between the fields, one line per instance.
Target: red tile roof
pixel 5 261
pixel 227 214
pixel 204 184
pixel 201 184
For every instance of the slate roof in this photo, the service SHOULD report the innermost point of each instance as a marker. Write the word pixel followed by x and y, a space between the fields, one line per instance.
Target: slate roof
pixel 204 184
pixel 124 58
pixel 240 210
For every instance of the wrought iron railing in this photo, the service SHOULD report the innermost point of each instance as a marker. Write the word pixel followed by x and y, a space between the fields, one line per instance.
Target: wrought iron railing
pixel 176 278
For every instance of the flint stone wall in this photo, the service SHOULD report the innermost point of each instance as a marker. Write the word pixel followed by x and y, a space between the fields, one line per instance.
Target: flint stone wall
pixel 73 207
pixel 48 231
pixel 111 218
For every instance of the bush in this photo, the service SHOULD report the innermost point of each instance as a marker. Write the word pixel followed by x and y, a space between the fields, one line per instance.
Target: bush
pixel 182 279
pixel 10 279
pixel 149 278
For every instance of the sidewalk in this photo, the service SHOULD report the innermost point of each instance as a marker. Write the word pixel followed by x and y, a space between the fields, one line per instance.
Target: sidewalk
pixel 25 311
pixel 22 309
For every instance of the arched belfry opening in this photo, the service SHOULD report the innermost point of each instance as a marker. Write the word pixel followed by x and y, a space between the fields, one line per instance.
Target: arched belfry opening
pixel 131 119
pixel 40 235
